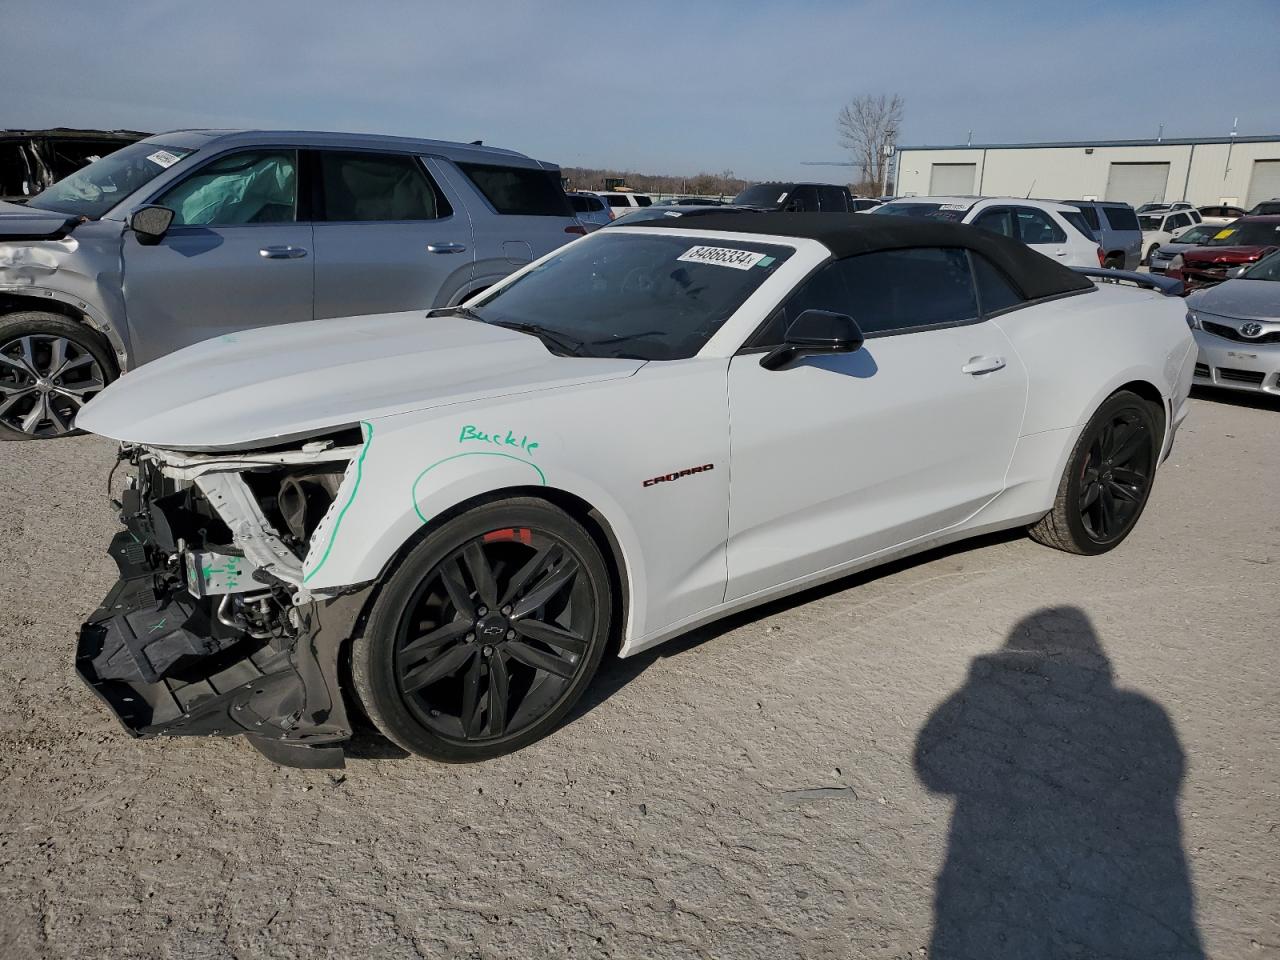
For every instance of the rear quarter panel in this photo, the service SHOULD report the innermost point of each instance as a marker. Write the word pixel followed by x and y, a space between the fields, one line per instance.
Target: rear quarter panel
pixel 1079 350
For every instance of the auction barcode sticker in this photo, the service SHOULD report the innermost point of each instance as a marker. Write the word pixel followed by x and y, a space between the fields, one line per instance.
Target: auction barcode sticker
pixel 722 257
pixel 163 158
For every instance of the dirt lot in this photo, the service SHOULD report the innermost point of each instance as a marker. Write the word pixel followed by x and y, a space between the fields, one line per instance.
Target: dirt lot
pixel 1108 747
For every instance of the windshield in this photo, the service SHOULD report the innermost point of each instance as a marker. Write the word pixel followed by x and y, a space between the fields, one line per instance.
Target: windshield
pixel 95 189
pixel 637 296
pixel 764 195
pixel 1198 235
pixel 1237 234
pixel 950 212
pixel 1268 268
pixel 1267 206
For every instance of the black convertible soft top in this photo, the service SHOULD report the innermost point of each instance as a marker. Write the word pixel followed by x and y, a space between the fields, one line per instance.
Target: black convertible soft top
pixel 849 234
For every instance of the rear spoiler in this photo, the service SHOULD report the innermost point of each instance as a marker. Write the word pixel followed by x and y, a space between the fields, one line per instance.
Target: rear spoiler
pixel 1165 285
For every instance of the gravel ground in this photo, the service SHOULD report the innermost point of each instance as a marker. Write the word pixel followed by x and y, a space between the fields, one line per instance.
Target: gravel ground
pixel 973 753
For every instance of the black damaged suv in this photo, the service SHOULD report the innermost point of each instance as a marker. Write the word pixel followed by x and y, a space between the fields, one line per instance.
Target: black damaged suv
pixel 31 160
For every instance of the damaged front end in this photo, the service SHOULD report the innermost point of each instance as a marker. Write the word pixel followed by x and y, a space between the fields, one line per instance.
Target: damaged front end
pixel 210 629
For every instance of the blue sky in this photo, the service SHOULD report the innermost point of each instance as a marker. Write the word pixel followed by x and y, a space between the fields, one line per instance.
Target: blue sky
pixel 661 87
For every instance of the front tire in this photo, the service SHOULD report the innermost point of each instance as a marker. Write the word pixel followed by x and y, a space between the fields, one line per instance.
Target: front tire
pixel 1151 253
pixel 487 633
pixel 50 367
pixel 1108 477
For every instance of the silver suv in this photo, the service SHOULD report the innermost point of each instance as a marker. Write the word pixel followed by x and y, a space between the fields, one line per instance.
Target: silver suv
pixel 194 234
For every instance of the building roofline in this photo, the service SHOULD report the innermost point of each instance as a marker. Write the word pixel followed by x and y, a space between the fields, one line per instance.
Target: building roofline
pixel 1163 142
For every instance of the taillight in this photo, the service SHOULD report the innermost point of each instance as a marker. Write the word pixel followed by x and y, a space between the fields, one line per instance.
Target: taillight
pixel 576 228
pixel 1102 258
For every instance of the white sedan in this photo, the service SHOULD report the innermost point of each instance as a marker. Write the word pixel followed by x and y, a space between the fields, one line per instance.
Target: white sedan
pixel 447 520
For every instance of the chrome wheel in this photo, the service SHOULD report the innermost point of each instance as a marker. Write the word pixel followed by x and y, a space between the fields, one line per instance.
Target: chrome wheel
pixel 1116 475
pixel 495 635
pixel 44 381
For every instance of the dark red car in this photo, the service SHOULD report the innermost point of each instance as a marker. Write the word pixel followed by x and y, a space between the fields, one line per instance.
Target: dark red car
pixel 1237 244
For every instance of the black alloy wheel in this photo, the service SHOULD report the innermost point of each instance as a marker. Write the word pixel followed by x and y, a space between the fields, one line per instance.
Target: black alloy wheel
pixel 1108 478
pixel 482 648
pixel 1115 477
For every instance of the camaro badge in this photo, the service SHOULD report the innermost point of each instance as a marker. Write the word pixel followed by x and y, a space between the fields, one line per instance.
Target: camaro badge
pixel 667 478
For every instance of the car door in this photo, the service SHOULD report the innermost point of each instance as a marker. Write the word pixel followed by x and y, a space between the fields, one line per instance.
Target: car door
pixel 387 235
pixel 838 457
pixel 238 254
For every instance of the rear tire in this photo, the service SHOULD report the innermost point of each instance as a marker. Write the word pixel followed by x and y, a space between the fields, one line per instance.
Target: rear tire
pixel 1107 480
pixel 1114 262
pixel 486 634
pixel 1151 252
pixel 50 366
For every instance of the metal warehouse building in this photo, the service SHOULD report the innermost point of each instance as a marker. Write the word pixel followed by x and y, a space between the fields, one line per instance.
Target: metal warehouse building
pixel 1230 170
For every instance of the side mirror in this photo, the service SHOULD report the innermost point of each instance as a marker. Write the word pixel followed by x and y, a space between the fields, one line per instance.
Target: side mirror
pixel 1236 273
pixel 151 224
pixel 815 332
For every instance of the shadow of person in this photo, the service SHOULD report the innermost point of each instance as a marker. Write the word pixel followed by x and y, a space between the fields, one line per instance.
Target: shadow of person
pixel 1065 839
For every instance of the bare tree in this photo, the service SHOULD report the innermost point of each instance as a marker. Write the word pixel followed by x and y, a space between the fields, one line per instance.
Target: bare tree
pixel 867 124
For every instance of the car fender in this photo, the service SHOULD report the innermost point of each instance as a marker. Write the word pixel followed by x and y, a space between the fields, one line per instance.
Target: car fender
pixel 630 437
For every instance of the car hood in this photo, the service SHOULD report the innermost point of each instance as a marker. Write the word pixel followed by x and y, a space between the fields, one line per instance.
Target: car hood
pixel 235 391
pixel 20 222
pixel 1241 254
pixel 1240 299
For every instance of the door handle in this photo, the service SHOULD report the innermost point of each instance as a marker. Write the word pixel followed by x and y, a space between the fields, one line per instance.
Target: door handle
pixel 1062 253
pixel 980 365
pixel 446 247
pixel 282 253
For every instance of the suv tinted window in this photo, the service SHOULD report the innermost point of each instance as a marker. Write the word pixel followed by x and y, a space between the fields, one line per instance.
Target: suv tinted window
pixel 1078 221
pixel 803 199
pixel 995 291
pixel 1090 215
pixel 617 200
pixel 255 186
pixel 833 200
pixel 999 220
pixel 1036 226
pixel 1121 218
pixel 643 201
pixel 520 191
pixel 374 186
pixel 886 292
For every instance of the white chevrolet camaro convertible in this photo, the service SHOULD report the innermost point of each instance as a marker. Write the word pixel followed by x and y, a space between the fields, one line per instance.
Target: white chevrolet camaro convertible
pixel 446 520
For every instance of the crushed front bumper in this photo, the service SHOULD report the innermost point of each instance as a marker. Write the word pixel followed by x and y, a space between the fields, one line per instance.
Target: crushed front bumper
pixel 167 661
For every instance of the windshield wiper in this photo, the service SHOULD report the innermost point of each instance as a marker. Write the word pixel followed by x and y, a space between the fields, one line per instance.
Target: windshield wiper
pixel 623 337
pixel 468 313
pixel 567 344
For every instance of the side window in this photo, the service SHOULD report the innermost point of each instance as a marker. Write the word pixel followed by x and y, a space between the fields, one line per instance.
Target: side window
pixel 1036 226
pixel 1195 216
pixel 256 186
pixel 886 292
pixel 804 200
pixel 617 200
pixel 362 187
pixel 833 200
pixel 996 220
pixel 825 290
pixel 520 191
pixel 995 291
pixel 1121 218
pixel 643 201
pixel 1090 215
pixel 902 289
